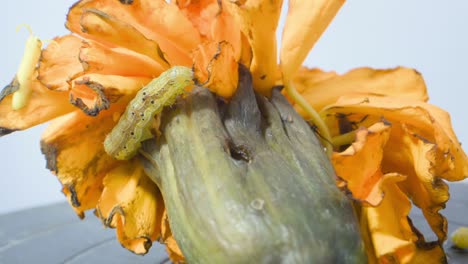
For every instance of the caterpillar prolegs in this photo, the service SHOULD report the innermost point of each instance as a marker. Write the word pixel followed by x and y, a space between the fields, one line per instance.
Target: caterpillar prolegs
pixel 133 126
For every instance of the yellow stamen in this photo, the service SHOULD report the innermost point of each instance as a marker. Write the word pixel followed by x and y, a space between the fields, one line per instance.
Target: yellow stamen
pixel 344 139
pixel 32 52
pixel 312 114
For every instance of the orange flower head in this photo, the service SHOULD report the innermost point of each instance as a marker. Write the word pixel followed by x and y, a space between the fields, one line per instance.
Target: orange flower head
pixel 392 149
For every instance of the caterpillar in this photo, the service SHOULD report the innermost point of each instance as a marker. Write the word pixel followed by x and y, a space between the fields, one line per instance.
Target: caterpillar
pixel 133 126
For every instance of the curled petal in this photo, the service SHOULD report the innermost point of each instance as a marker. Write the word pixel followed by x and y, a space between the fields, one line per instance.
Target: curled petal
pixel 60 62
pixel 394 238
pixel 175 34
pixel 426 121
pixel 359 165
pixel 215 67
pixel 132 203
pixel 79 164
pixel 42 106
pixel 305 23
pixel 258 20
pixel 321 89
pixel 93 93
pixel 416 157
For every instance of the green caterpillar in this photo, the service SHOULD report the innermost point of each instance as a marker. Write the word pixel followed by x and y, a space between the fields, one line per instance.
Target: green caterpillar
pixel 134 125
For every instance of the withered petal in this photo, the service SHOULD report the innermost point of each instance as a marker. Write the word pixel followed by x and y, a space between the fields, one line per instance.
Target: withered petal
pixel 321 89
pixel 60 63
pixel 43 106
pixel 132 203
pixel 360 164
pixel 175 34
pixel 110 31
pixel 93 93
pixel 258 20
pixel 216 68
pixel 100 59
pixel 73 146
pixel 426 121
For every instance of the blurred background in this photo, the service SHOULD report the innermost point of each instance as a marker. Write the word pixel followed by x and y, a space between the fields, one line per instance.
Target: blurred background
pixel 432 38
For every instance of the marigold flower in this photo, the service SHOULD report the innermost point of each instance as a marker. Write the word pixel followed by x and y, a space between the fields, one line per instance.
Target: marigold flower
pixel 391 148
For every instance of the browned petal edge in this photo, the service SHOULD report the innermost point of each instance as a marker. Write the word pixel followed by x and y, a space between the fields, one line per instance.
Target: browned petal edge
pixel 108 221
pixel 50 153
pixel 102 102
pixel 9 89
pixel 126 2
pixel 209 66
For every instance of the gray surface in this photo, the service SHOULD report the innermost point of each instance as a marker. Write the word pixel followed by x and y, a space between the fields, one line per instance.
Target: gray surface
pixel 54 234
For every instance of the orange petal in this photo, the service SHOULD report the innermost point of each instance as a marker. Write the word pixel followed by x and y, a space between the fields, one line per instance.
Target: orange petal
pixel 225 28
pixel 132 203
pixel 359 165
pixel 305 23
pixel 60 62
pixel 216 68
pixel 173 250
pixel 202 13
pixel 43 106
pixel 174 33
pixel 213 22
pixel 73 146
pixel 93 93
pixel 394 238
pixel 426 121
pixel 258 20
pixel 387 224
pixel 108 30
pixel 325 88
pixel 416 157
pixel 100 59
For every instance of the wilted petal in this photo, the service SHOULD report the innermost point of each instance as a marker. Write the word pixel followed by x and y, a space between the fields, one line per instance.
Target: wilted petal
pixel 258 20
pixel 410 154
pixel 216 68
pixel 360 165
pixel 174 33
pixel 100 59
pixel 60 62
pixel 424 120
pixel 171 244
pixel 73 146
pixel 213 22
pixel 42 106
pixel 132 203
pixel 108 30
pixel 387 224
pixel 324 88
pixel 93 93
pixel 305 23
